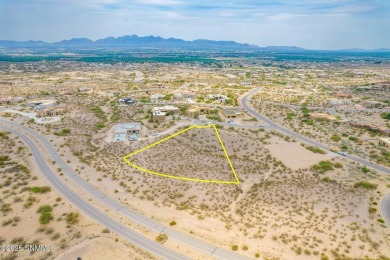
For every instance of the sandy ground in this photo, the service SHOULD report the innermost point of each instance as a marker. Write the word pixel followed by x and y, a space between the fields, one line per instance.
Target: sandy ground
pixel 205 160
pixel 291 214
pixel 291 202
pixel 28 225
pixel 294 155
pixel 86 226
pixel 102 249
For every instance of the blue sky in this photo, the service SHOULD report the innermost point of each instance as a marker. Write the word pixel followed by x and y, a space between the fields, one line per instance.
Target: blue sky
pixel 314 24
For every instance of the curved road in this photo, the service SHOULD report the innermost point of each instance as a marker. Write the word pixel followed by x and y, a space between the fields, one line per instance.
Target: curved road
pixel 385 208
pixel 150 224
pixel 84 206
pixel 385 204
pixel 246 106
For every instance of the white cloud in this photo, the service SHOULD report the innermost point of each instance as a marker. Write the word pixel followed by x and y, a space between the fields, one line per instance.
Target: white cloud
pixel 159 2
pixel 306 23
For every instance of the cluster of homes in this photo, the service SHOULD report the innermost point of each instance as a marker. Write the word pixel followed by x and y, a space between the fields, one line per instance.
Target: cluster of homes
pixel 219 97
pixel 159 114
pixel 43 107
pixel 49 107
pixel 187 95
pixel 154 98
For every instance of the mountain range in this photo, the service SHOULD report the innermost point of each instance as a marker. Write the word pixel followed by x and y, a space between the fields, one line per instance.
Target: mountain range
pixel 135 41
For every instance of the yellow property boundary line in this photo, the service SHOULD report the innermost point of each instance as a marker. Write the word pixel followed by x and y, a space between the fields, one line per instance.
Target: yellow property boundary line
pixel 184 178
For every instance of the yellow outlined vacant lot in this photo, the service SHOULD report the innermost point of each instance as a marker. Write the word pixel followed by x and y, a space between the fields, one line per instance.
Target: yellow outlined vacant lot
pixel 185 178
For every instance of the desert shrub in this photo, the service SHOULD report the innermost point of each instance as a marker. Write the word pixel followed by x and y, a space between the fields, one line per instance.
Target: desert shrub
pixel 21 168
pixel 234 247
pixel 324 257
pixel 385 116
pixel 290 115
pixel 37 189
pixel 46 214
pixel 98 112
pixel 45 218
pixel 327 179
pixel 30 201
pixel 77 235
pixel 353 139
pixel 5 208
pixel 45 208
pixel 315 149
pixel 365 185
pixel 173 223
pixel 338 165
pixel 372 210
pixel 100 125
pixel 323 166
pixel 335 138
pixel 18 241
pixel 14 221
pixel 49 231
pixel 17 199
pixel 55 236
pixel 72 218
pixel 65 131
pixel 305 110
pixel 162 238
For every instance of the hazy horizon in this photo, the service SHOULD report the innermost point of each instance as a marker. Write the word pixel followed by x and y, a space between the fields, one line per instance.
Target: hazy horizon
pixel 310 24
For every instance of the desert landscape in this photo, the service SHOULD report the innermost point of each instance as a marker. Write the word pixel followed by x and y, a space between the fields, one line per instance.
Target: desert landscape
pixel 293 200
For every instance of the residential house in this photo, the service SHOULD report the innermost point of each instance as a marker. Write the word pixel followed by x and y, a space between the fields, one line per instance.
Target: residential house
pixel 156 98
pixel 385 142
pixel 126 101
pixel 231 113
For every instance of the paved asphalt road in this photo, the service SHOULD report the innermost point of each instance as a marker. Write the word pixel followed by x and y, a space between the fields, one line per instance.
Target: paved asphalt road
pixel 385 207
pixel 197 244
pixel 245 105
pixel 85 207
pixel 385 204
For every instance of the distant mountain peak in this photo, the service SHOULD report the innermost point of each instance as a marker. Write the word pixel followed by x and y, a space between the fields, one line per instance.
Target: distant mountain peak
pixel 134 41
